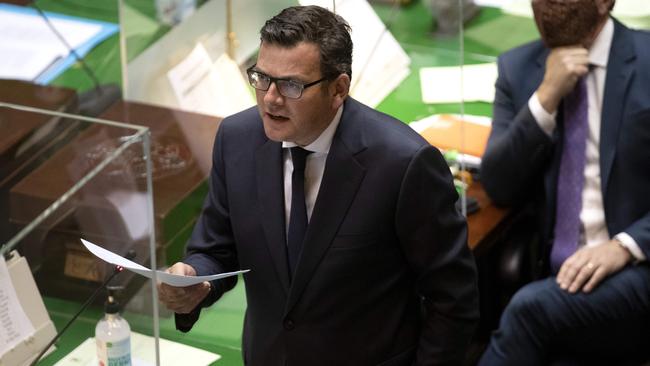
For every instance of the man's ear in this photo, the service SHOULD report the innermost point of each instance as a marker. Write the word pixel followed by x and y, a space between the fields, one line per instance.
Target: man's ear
pixel 339 88
pixel 605 6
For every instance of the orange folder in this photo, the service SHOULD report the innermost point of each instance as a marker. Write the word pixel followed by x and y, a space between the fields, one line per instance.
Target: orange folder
pixel 450 132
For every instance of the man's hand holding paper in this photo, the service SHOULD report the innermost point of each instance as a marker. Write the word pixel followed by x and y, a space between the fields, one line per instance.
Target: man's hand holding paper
pixel 182 300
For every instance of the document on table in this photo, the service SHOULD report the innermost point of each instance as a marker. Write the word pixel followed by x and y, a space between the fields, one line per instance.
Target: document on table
pixel 443 84
pixel 468 134
pixel 168 278
pixel 15 326
pixel 32 51
pixel 171 353
pixel 211 88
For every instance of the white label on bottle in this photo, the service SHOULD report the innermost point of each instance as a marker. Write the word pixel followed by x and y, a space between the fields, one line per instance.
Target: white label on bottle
pixel 114 353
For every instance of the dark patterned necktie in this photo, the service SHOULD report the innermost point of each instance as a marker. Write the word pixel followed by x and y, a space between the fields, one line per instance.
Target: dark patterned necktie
pixel 571 176
pixel 298 213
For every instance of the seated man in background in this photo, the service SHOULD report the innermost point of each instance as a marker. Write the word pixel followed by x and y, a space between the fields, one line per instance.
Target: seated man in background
pixel 571 128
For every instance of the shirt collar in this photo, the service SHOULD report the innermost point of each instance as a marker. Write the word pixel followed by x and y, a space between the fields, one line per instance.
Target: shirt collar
pixel 599 51
pixel 324 141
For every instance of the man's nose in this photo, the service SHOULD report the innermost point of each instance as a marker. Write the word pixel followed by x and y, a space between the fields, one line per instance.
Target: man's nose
pixel 273 94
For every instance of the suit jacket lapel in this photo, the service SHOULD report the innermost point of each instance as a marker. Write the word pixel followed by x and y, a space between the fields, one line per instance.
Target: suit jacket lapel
pixel 270 189
pixel 341 180
pixel 620 71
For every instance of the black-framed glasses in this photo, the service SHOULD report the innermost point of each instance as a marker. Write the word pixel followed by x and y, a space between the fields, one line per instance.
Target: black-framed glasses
pixel 287 87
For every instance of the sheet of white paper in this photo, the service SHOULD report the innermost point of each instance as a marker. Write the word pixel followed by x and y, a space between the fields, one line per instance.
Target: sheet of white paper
pixel 200 86
pixel 15 326
pixel 632 8
pixel 168 278
pixel 28 46
pixel 379 64
pixel 493 3
pixel 132 207
pixel 233 89
pixel 24 62
pixel 520 8
pixel 171 353
pixel 443 84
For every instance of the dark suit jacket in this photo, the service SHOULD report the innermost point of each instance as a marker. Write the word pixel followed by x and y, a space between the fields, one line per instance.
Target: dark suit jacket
pixel 521 162
pixel 385 274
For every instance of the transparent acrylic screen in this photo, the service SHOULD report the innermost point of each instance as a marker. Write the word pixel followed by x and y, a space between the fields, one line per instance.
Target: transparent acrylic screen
pixel 64 178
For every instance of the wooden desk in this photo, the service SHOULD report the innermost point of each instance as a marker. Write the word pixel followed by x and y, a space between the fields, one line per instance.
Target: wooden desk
pixel 17 126
pixel 28 139
pixel 485 225
pixel 37 96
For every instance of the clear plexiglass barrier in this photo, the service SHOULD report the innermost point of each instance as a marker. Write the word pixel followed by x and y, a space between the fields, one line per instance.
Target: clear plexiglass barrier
pixel 64 178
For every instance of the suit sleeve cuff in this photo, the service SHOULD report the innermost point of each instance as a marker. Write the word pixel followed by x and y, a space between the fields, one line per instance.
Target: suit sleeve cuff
pixel 630 244
pixel 545 120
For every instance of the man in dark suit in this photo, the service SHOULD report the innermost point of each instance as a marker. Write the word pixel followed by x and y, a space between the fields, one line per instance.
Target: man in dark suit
pixel 571 129
pixel 364 260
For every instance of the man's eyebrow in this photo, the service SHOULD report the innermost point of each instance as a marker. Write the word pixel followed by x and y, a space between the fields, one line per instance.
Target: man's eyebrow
pixel 286 77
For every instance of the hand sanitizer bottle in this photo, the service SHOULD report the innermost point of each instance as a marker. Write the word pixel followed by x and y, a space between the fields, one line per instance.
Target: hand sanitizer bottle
pixel 113 337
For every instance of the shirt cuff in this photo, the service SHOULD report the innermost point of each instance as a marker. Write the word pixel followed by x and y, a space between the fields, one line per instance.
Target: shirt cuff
pixel 628 242
pixel 545 120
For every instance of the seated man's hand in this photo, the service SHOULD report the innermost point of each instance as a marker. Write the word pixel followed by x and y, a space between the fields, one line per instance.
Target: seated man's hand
pixel 182 300
pixel 587 267
pixel 564 66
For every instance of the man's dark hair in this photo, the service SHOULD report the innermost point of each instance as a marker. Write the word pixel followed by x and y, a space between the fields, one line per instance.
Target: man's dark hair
pixel 313 24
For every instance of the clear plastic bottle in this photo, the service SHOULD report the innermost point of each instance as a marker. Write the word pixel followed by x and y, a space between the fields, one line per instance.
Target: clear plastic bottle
pixel 113 337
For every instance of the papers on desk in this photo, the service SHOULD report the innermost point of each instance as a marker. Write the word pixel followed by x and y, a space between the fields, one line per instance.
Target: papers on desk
pixel 200 86
pixel 15 326
pixel 443 84
pixel 171 353
pixel 379 64
pixel 31 50
pixel 168 278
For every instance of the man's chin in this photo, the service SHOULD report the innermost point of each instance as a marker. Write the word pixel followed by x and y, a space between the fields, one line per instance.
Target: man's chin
pixel 274 138
pixel 275 135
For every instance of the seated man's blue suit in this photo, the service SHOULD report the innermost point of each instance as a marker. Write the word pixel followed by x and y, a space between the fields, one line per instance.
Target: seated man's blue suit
pixel 521 163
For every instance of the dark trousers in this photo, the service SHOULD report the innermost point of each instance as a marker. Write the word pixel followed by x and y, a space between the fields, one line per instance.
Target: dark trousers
pixel 544 324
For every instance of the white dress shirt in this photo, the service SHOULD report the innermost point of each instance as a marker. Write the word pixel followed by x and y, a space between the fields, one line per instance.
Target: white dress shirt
pixel 314 167
pixel 592 216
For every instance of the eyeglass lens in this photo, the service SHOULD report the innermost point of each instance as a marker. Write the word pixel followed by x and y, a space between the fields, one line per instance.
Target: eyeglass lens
pixel 287 88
